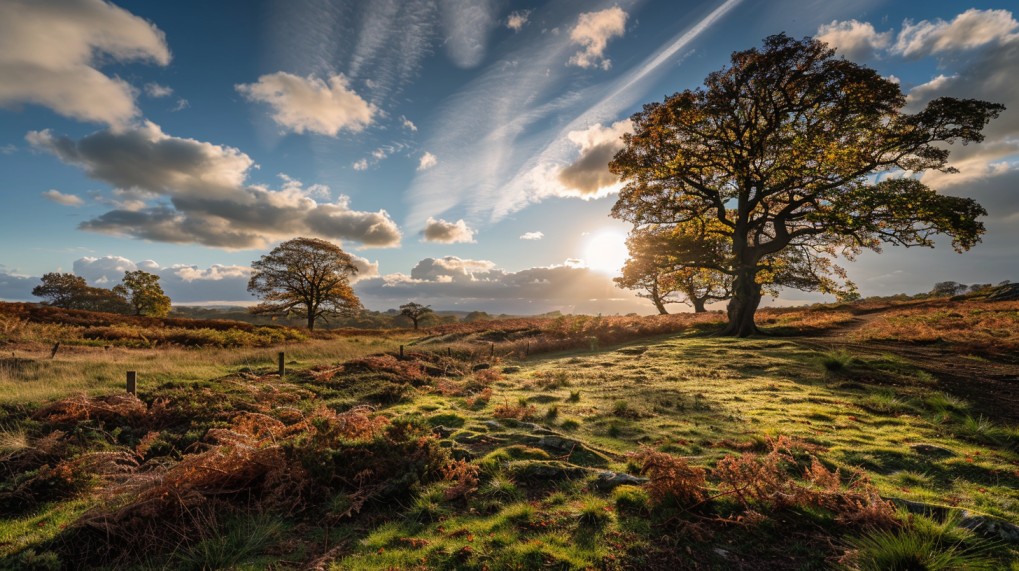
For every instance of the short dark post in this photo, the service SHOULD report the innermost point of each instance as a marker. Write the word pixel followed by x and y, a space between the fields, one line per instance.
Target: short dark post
pixel 492 353
pixel 449 351
pixel 401 351
pixel 283 366
pixel 132 382
pixel 56 347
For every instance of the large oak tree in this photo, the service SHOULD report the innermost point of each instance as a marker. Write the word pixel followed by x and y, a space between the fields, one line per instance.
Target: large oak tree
pixel 784 148
pixel 304 277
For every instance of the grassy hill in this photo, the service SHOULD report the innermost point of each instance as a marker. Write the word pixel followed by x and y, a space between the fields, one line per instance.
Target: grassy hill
pixel 857 436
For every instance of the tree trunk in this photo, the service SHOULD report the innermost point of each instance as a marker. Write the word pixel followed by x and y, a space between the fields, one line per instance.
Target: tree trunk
pixel 743 305
pixel 698 305
pixel 415 320
pixel 657 299
pixel 311 321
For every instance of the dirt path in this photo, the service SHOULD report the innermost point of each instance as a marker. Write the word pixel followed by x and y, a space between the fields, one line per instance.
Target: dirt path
pixel 992 386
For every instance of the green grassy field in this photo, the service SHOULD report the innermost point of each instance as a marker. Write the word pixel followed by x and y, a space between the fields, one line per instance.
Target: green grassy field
pixel 670 451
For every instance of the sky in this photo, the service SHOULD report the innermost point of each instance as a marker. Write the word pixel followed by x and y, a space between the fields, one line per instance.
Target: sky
pixel 456 148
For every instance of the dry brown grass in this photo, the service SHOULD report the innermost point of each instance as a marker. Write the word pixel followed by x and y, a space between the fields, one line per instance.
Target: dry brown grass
pixel 969 325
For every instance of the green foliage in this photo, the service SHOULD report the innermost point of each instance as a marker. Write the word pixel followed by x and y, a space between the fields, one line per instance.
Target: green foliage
pixel 143 292
pixel 922 544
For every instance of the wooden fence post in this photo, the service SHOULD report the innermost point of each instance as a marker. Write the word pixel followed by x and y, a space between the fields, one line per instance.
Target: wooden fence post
pixel 282 364
pixel 401 351
pixel 492 352
pixel 56 347
pixel 132 382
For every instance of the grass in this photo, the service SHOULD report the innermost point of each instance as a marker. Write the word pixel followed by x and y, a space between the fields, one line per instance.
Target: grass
pixel 757 453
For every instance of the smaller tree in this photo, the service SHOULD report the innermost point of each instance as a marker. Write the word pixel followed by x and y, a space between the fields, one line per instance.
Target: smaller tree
pixel 415 312
pixel 947 289
pixel 305 277
pixel 61 290
pixel 144 293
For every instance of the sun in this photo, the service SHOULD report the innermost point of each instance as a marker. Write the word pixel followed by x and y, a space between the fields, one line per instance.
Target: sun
pixel 605 251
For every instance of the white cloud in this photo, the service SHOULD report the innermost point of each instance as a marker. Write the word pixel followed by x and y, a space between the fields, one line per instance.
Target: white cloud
pixel 61 198
pixel 589 175
pixel 479 284
pixel 210 201
pixel 971 29
pixel 443 232
pixel 408 124
pixel 468 24
pixel 309 104
pixel 181 105
pixel 427 161
pixel 853 39
pixel 532 235
pixel 360 165
pixel 50 55
pixel 153 89
pixel 517 19
pixel 593 32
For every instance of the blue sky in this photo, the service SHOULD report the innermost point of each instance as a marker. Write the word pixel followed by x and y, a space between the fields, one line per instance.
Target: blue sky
pixel 457 147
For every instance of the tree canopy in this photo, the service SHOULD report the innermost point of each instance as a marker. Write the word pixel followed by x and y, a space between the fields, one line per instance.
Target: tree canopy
pixel 144 294
pixel 69 291
pixel 415 312
pixel 305 277
pixel 800 157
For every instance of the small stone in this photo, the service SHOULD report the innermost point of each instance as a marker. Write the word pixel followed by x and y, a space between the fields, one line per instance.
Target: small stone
pixel 609 480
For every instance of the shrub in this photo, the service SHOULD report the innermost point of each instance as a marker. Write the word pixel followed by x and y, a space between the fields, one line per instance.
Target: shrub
pixel 670 478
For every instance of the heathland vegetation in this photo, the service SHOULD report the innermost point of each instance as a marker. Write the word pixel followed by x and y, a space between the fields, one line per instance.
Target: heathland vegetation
pixel 860 435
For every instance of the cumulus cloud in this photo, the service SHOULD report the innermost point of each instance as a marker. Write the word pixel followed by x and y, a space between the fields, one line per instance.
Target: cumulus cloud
pixel 50 55
pixel 309 104
pixel 593 32
pixel 408 124
pixel 971 29
pixel 452 281
pixel 517 19
pixel 61 198
pixel 360 165
pixel 468 24
pixel 853 39
pixel 209 200
pixel 443 232
pixel 427 161
pixel 532 235
pixel 978 58
pixel 156 90
pixel 589 175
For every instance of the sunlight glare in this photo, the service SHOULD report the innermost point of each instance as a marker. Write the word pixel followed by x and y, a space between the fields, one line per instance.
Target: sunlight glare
pixel 606 251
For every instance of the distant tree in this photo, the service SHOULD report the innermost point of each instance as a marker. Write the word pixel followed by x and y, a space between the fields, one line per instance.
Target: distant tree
pixel 780 149
pixel 663 266
pixel 69 291
pixel 415 312
pixel 106 300
pixel 144 294
pixel 477 316
pixel 61 290
pixel 305 277
pixel 947 289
